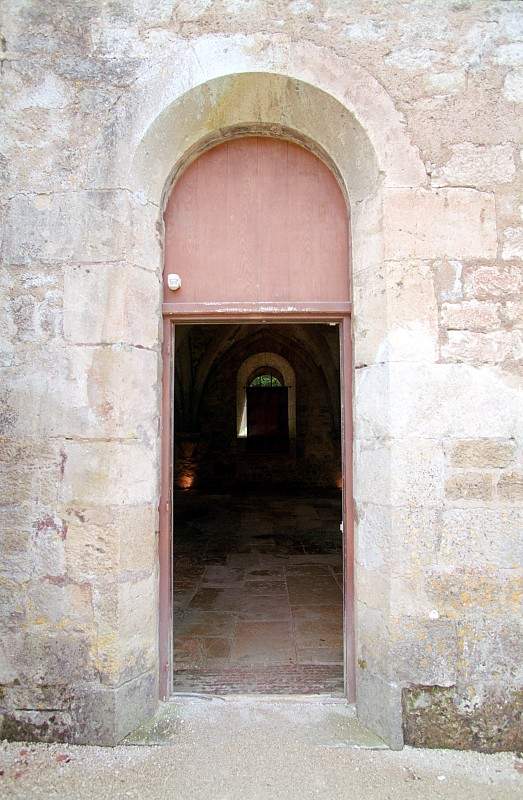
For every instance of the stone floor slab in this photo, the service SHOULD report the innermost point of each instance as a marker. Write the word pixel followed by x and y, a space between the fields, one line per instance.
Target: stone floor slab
pixel 263 643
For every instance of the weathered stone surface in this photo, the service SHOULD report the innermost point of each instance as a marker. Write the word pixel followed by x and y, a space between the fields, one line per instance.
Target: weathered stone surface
pixel 409 331
pixel 91 138
pixel 468 718
pixel 452 223
pixel 58 227
pixel 111 390
pixel 409 540
pixel 45 656
pixel 483 348
pixel 436 401
pixel 513 87
pixel 482 452
pixel 509 54
pixel 22 725
pixel 108 472
pixel 513 244
pixel 447 277
pixel 30 471
pixel 471 315
pixel 100 714
pixel 510 487
pixel 377 699
pixel 447 82
pixel 486 282
pixel 418 477
pixel 120 304
pixel 469 486
pixel 102 540
pixel 106 714
pixel 511 313
pixel 424 643
pixel 489 647
pixel 477 165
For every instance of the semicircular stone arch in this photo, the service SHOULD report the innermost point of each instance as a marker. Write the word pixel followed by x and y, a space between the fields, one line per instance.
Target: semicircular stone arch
pixel 249 366
pixel 263 104
pixel 331 107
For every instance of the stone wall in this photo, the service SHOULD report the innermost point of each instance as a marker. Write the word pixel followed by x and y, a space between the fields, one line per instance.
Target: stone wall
pixel 418 107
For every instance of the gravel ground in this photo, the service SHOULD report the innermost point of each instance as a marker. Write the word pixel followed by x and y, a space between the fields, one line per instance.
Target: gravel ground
pixel 250 750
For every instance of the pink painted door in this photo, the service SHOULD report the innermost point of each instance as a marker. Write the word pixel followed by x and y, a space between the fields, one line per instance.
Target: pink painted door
pixel 257 220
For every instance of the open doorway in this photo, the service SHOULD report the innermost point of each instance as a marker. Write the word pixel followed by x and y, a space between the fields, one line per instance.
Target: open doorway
pixel 257 542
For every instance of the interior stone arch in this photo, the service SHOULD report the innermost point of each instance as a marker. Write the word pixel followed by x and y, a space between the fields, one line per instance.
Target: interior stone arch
pixel 245 372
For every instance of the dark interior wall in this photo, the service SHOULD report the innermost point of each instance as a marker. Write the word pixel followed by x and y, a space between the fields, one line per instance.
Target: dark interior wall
pixel 208 453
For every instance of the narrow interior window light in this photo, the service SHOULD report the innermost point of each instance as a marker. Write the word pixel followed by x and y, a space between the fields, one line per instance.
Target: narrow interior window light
pixel 265 381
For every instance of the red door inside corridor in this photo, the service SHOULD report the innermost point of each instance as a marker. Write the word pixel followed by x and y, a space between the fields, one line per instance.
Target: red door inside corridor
pixel 257 230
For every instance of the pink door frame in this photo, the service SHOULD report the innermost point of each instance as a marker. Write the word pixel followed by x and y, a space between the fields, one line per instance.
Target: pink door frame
pixel 174 313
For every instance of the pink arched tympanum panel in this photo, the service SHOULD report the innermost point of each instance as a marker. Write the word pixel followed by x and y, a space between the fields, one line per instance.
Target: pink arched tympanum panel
pixel 257 220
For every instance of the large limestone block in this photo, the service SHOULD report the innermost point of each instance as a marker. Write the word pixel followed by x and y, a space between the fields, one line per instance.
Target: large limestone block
pixel 472 315
pixel 464 487
pixel 371 399
pixel 83 391
pixel 513 86
pixel 479 538
pixel 489 648
pixel 138 625
pixel 373 630
pixel 452 223
pixel 17 557
pixel 395 313
pixel 370 317
pixel 412 316
pixel 510 487
pixel 31 302
pixel 422 651
pixel 374 539
pixel 103 541
pixel 121 390
pixel 40 656
pixel 125 613
pixel 111 303
pixel 477 165
pixel 513 244
pixel 111 473
pixel 437 400
pixel 406 540
pixel 55 603
pixel 105 714
pixel 400 472
pixel 30 471
pixel 475 347
pixel 461 590
pixel 493 281
pixel 372 587
pixel 82 226
pixel 367 235
pixel 378 699
pixel 482 452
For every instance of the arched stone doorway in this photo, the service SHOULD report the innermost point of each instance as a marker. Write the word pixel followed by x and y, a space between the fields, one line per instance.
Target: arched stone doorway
pixel 362 137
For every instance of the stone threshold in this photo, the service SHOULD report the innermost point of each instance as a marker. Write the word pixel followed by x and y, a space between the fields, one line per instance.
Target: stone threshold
pixel 321 720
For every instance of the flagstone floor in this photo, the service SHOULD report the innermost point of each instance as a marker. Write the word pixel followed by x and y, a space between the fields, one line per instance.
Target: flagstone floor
pixel 258 594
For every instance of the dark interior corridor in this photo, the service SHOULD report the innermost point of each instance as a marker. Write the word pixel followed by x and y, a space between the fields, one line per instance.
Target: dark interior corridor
pixel 258 572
